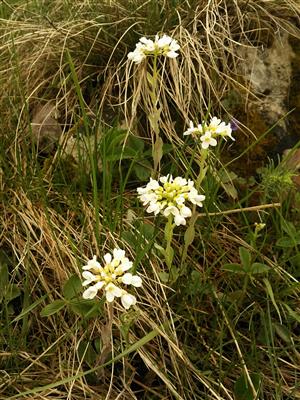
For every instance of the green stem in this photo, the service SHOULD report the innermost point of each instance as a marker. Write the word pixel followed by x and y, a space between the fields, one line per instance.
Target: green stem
pixel 169 252
pixel 203 167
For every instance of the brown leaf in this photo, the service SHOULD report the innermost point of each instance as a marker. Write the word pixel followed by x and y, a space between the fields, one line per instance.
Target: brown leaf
pixel 45 128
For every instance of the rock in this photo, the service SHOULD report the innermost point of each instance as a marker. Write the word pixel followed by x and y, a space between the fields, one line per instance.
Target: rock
pixel 46 130
pixel 268 72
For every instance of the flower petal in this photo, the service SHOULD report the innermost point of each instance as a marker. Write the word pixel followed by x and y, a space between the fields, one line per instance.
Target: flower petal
pixel 127 278
pixel 136 281
pixel 128 300
pixel 90 292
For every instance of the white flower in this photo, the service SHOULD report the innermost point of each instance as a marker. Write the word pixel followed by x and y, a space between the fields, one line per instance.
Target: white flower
pixel 92 264
pixel 128 300
pixel 110 277
pixel 194 130
pixel 207 140
pixel 112 291
pixel 209 132
pixel 168 196
pixel 130 279
pixel 165 46
pixel 92 291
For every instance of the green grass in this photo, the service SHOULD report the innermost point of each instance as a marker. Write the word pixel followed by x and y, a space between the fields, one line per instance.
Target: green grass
pixel 215 332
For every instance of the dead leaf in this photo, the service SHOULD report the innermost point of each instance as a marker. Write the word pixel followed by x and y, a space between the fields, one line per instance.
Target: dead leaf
pixel 46 131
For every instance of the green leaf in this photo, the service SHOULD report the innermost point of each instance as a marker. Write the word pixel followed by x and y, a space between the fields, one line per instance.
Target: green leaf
pixel 143 170
pixel 150 78
pixel 286 241
pixel 87 308
pixel 164 276
pixel 129 238
pixel 245 258
pixel 242 388
pixel 154 119
pixel 230 190
pixel 236 268
pixel 53 308
pixel 293 313
pixel 12 292
pixel 72 287
pixel 189 235
pixel 157 151
pixel 169 255
pixel 289 228
pixel 28 309
pixel 283 332
pixel 259 268
pixel 271 295
pixel 136 143
pixel 87 353
pixel 4 278
pixel 146 230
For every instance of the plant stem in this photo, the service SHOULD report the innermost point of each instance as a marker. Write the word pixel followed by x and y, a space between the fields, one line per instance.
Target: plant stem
pixel 169 252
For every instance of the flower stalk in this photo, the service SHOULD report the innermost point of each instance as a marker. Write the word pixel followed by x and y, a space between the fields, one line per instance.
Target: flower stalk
pixel 169 252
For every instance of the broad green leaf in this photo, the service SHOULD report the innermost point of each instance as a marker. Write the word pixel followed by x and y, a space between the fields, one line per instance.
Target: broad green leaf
pixel 72 287
pixel 129 238
pixel 243 390
pixel 143 170
pixel 87 308
pixel 236 268
pixel 245 258
pixel 259 268
pixel 53 308
pixel 136 143
pixel 146 230
pixel 87 353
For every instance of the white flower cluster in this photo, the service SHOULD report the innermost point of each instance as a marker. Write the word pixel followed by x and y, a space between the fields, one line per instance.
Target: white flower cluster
pixel 209 133
pixel 165 46
pixel 110 277
pixel 168 196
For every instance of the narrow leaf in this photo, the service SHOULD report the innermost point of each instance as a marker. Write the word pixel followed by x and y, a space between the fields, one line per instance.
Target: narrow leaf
pixel 53 308
pixel 293 313
pixel 271 295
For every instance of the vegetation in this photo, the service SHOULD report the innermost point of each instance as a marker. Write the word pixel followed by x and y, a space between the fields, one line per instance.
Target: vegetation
pixel 82 127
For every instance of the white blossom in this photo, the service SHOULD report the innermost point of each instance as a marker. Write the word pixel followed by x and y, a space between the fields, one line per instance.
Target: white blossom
pixel 169 196
pixel 208 133
pixel 127 300
pixel 207 140
pixel 110 277
pixel 164 45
